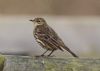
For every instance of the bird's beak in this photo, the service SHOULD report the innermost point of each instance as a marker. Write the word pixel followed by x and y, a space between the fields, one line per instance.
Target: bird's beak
pixel 31 20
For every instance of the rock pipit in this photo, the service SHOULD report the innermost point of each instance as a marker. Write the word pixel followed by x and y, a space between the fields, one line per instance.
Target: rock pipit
pixel 48 38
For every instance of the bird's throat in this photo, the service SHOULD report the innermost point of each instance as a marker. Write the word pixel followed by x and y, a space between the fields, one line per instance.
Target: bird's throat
pixel 36 24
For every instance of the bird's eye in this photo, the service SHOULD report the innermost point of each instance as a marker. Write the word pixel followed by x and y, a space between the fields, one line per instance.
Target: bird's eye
pixel 38 20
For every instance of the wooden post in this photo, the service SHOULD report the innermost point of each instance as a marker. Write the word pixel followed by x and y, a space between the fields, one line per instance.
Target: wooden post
pixel 27 63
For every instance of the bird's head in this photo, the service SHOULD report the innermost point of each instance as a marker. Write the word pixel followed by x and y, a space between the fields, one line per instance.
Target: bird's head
pixel 38 21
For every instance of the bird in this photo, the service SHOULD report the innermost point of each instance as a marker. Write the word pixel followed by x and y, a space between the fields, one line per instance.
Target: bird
pixel 48 38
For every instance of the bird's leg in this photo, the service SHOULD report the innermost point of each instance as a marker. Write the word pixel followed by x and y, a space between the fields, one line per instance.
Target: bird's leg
pixel 44 53
pixel 51 52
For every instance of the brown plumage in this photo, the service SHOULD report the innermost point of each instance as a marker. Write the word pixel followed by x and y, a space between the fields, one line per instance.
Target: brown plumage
pixel 48 38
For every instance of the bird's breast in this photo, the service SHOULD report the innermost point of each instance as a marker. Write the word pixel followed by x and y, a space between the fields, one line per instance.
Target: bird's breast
pixel 41 29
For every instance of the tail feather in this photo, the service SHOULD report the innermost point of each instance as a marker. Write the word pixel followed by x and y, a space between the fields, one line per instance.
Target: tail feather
pixel 73 54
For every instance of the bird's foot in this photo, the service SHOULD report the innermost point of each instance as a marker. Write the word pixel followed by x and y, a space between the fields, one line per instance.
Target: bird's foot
pixel 44 56
pixel 50 55
pixel 40 56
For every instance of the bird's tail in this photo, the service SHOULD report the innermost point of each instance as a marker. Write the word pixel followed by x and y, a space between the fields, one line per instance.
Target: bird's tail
pixel 73 54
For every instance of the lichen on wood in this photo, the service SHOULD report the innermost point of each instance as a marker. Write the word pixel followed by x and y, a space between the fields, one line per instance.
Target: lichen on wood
pixel 2 61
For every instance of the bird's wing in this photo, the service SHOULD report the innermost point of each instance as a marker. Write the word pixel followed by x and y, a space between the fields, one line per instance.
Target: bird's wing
pixel 49 38
pixel 55 37
pixel 49 41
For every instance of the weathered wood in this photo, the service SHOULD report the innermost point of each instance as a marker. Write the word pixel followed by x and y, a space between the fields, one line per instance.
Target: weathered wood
pixel 26 63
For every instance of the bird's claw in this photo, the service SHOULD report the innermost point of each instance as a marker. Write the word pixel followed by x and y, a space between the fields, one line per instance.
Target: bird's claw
pixel 45 56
